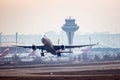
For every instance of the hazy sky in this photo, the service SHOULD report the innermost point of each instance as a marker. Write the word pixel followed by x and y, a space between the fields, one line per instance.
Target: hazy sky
pixel 40 16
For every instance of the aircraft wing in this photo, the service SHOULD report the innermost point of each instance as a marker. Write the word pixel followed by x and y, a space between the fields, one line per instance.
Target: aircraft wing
pixel 72 46
pixel 78 46
pixel 29 46
pixel 57 47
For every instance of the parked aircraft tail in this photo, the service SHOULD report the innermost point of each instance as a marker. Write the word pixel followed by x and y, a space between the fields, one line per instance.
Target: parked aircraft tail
pixel 5 52
pixel 84 51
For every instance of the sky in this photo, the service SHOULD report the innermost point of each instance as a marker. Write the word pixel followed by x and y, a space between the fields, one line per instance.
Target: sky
pixel 41 16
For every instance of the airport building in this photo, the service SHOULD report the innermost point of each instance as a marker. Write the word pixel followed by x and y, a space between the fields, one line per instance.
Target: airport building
pixel 70 27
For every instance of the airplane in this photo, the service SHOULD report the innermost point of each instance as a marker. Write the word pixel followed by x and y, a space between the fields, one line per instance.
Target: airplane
pixel 5 52
pixel 53 49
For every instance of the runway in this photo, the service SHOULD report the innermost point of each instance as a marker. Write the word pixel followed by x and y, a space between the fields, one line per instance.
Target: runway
pixel 99 71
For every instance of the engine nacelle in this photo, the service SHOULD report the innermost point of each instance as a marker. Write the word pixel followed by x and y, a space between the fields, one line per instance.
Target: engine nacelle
pixel 34 47
pixel 62 47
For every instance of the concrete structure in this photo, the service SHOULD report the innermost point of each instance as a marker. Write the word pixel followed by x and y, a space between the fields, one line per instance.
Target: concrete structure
pixel 70 27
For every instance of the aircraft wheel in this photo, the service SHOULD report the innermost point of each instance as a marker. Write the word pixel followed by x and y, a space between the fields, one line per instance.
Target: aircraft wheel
pixel 59 54
pixel 42 54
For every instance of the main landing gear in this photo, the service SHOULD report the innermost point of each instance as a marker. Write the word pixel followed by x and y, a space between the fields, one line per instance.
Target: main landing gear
pixel 59 54
pixel 42 53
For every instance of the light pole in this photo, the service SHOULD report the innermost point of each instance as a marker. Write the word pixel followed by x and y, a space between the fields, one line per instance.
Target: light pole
pixel 90 39
pixel 16 35
pixel 0 39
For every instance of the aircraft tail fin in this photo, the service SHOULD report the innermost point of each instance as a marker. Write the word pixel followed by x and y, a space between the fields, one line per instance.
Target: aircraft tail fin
pixel 5 52
pixel 31 53
pixel 86 50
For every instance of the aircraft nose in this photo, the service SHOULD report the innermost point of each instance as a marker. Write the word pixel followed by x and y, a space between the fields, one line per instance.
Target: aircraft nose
pixel 43 40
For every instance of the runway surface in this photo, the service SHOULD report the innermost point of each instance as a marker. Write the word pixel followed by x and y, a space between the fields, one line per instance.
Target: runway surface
pixel 105 71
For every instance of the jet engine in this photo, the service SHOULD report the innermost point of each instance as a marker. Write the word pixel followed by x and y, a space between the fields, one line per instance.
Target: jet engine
pixel 62 47
pixel 34 47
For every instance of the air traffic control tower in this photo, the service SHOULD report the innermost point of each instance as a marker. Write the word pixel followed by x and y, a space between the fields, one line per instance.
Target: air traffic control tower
pixel 70 27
